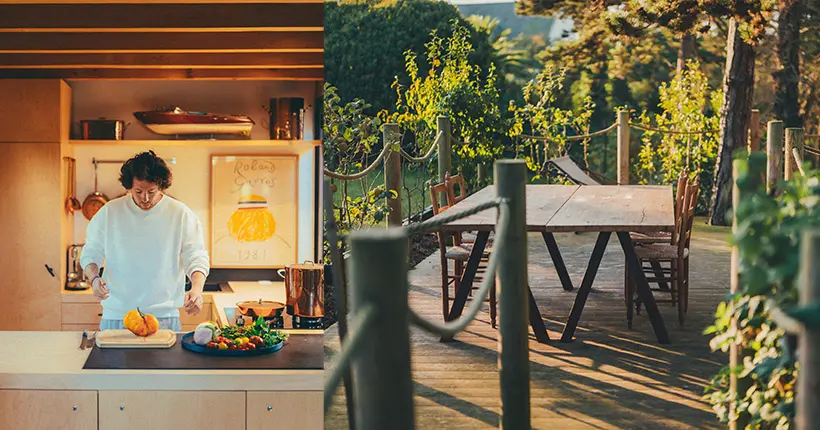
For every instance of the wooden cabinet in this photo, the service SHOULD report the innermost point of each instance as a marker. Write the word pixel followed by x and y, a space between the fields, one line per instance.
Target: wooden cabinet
pixel 34 110
pixel 32 233
pixel 54 410
pixel 171 410
pixel 302 410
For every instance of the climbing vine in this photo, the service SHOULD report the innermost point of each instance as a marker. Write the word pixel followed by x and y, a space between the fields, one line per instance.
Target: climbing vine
pixel 768 241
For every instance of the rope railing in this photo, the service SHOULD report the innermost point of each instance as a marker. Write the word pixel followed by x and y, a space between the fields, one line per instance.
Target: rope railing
pixel 573 138
pixel 368 315
pixel 363 173
pixel 666 131
pixel 426 156
pixel 798 160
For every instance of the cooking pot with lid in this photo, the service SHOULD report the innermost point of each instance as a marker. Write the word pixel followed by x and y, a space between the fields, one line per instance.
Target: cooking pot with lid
pixel 305 286
pixel 102 129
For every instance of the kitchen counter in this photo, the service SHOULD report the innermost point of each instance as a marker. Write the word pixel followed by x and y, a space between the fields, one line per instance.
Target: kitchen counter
pixel 53 361
pixel 228 297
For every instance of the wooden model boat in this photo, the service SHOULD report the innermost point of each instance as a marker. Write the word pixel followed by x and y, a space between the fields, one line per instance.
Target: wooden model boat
pixel 170 122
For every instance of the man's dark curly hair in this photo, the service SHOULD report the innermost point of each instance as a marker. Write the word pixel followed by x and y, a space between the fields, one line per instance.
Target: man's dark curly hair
pixel 146 166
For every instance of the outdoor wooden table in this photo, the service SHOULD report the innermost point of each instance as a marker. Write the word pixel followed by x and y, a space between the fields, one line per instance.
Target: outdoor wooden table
pixel 604 209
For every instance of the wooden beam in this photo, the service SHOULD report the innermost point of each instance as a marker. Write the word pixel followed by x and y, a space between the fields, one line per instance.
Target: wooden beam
pixel 162 61
pixel 114 42
pixel 183 16
pixel 160 74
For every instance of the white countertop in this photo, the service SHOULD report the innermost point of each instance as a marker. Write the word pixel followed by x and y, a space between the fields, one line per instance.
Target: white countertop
pixel 38 360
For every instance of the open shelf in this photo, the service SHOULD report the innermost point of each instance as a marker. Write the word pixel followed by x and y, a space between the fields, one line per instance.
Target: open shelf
pixel 183 142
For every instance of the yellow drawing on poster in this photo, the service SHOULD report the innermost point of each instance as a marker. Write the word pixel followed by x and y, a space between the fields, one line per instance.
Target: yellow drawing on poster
pixel 254 210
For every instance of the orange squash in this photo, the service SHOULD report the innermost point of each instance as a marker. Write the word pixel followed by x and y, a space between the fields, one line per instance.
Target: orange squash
pixel 141 324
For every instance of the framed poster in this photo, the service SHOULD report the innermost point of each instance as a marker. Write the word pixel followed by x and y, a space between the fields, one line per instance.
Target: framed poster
pixel 254 211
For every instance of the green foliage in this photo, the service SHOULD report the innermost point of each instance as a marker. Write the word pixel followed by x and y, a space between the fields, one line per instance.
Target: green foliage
pixel 365 44
pixel 686 104
pixel 350 136
pixel 541 115
pixel 768 240
pixel 453 86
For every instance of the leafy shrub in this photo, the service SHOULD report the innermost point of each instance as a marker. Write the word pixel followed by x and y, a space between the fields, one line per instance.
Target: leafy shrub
pixel 768 240
pixel 687 104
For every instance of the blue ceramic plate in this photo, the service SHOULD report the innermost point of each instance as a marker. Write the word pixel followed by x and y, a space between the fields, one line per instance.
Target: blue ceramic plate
pixel 189 344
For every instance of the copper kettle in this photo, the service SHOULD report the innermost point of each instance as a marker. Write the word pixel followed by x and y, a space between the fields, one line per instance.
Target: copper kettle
pixel 305 286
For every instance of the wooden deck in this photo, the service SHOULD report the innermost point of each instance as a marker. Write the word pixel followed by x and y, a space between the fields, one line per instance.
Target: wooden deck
pixel 609 378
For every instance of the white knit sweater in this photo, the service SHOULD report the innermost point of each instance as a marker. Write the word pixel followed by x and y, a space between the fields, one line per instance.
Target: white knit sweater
pixel 147 255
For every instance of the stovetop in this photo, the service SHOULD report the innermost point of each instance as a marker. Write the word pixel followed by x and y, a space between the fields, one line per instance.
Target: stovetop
pixel 285 322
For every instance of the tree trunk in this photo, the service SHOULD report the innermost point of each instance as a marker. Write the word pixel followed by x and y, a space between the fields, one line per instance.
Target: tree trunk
pixel 738 90
pixel 787 77
pixel 686 50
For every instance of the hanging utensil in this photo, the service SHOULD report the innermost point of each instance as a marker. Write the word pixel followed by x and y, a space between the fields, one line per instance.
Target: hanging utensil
pixel 94 201
pixel 71 202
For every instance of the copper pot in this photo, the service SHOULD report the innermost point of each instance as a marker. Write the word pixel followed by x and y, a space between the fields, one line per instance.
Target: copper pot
pixel 305 285
pixel 260 308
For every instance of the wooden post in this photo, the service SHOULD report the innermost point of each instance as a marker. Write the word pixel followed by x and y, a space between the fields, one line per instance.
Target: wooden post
pixel 774 154
pixel 392 173
pixel 794 139
pixel 481 173
pixel 384 386
pixel 754 131
pixel 734 286
pixel 623 147
pixel 513 299
pixel 808 380
pixel 445 161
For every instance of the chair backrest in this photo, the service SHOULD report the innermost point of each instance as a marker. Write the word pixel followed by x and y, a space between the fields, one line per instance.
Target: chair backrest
pixel 435 191
pixel 683 181
pixel 687 216
pixel 456 180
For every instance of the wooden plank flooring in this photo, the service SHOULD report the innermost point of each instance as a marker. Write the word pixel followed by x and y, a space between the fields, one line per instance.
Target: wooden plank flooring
pixel 608 378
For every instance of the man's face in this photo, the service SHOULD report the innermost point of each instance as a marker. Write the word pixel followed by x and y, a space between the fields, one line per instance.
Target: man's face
pixel 145 194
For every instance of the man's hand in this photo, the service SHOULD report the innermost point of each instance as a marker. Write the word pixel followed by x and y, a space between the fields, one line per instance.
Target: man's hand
pixel 99 288
pixel 193 302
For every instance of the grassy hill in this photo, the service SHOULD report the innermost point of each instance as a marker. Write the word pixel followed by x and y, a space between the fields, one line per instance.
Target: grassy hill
pixel 505 13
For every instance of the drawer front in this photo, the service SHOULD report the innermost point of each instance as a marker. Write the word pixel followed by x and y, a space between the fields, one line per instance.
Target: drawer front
pixel 82 313
pixel 171 410
pixel 43 409
pixel 80 327
pixel 302 410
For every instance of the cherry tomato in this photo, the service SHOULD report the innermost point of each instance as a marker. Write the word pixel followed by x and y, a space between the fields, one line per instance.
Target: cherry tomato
pixel 212 344
pixel 222 345
pixel 251 346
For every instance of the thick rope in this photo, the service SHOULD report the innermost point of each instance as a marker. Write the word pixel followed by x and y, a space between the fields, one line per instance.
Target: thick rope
pixel 812 150
pixel 367 315
pixel 659 130
pixel 426 156
pixel 799 160
pixel 361 174
pixel 451 328
pixel 572 138
pixel 424 226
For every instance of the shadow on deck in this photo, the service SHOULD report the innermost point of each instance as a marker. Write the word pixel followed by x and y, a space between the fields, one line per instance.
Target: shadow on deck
pixel 608 378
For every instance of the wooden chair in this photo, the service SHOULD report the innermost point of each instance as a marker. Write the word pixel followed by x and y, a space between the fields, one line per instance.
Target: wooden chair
pixel 676 254
pixel 458 252
pixel 664 236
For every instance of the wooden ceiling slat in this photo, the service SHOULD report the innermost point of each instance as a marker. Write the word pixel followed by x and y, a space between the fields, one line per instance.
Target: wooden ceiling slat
pixel 162 42
pixel 160 74
pixel 131 16
pixel 151 61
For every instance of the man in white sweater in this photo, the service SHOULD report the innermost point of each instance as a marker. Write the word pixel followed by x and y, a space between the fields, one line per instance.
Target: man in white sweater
pixel 149 243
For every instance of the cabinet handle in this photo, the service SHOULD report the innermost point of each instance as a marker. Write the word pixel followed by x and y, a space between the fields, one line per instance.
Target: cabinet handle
pixel 122 407
pixel 270 408
pixel 50 270
pixel 75 407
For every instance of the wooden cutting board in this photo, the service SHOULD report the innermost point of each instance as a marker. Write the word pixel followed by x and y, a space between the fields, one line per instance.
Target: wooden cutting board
pixel 126 339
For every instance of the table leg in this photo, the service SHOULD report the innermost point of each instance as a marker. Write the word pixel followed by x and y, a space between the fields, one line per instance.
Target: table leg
pixel 557 260
pixel 465 284
pixel 586 286
pixel 536 321
pixel 637 275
